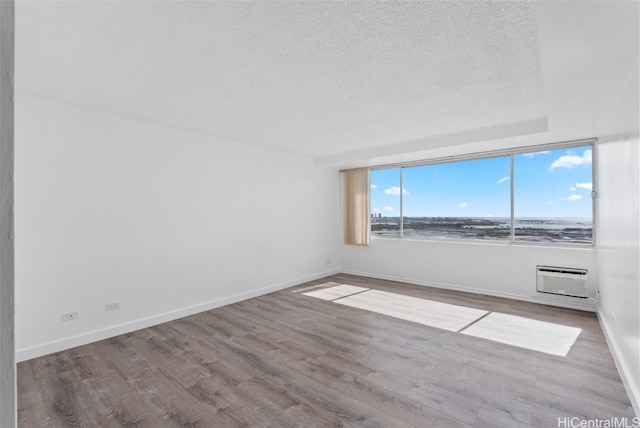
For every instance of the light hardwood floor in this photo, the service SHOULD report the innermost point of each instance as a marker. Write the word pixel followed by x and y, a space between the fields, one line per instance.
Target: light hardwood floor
pixel 286 359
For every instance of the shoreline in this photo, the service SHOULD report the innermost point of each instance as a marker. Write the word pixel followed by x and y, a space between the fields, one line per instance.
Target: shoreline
pixel 575 230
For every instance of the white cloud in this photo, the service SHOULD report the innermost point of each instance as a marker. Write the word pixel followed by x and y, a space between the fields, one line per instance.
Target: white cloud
pixel 375 210
pixel 462 205
pixel 574 197
pixel 588 186
pixel 388 208
pixel 395 191
pixel 573 189
pixel 571 160
pixel 549 202
pixel 374 186
pixel 502 180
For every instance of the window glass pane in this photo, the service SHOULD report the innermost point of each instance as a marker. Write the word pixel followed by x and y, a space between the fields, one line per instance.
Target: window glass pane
pixel 467 199
pixel 385 202
pixel 553 196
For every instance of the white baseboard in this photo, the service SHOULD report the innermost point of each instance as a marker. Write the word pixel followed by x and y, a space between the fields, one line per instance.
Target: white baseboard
pixel 582 306
pixel 105 333
pixel 621 364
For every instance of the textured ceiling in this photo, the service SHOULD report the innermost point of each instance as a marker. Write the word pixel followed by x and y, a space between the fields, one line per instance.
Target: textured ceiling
pixel 316 78
pixel 331 80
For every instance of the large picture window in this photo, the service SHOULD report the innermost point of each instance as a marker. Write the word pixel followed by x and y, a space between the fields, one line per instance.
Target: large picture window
pixel 537 196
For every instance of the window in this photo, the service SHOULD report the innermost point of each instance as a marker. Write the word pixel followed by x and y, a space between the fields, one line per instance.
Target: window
pixel 553 196
pixel 472 198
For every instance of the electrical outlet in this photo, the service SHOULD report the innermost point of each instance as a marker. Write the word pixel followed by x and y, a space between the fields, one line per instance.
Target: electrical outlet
pixel 70 316
pixel 112 306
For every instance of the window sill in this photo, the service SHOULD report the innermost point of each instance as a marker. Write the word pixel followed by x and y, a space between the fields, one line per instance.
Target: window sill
pixel 496 242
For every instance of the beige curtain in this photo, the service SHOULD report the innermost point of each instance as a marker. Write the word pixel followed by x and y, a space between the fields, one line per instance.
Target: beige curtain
pixel 356 207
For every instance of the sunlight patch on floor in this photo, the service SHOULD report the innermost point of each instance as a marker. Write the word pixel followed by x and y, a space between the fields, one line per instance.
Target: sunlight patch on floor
pixel 550 338
pixel 336 292
pixel 422 311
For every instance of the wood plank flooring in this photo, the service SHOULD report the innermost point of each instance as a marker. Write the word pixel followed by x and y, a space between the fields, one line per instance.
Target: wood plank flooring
pixel 290 360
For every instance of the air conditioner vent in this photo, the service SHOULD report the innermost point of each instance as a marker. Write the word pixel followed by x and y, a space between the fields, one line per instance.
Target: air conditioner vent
pixel 562 280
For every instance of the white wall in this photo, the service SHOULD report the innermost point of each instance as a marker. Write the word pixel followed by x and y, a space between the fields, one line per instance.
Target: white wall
pixel 618 256
pixel 167 222
pixel 499 269
pixel 619 238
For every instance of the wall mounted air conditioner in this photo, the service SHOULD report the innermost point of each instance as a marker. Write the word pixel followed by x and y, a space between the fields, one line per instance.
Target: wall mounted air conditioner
pixel 562 280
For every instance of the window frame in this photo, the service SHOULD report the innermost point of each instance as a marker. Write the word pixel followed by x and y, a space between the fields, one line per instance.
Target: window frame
pixel 511 153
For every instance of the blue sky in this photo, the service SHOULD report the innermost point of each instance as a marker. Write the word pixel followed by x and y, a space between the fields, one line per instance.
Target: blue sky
pixel 554 183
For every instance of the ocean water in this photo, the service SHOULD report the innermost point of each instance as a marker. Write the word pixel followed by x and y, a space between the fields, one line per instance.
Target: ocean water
pixel 544 222
pixel 492 222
